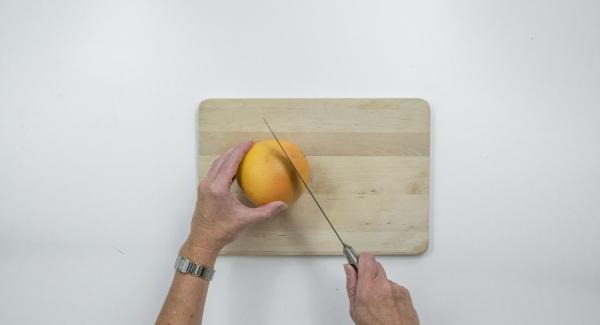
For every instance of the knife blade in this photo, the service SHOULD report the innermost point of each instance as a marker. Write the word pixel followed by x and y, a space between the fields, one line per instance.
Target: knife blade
pixel 347 250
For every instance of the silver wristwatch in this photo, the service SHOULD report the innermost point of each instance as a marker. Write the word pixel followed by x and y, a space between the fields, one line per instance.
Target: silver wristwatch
pixel 187 266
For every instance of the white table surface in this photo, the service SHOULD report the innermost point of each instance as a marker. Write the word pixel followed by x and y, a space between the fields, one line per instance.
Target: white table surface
pixel 97 144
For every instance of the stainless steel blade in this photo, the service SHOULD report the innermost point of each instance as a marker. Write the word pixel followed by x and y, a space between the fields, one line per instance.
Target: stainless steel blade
pixel 303 182
pixel 347 250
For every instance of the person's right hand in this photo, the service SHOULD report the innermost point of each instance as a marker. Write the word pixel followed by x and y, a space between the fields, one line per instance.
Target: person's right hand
pixel 374 299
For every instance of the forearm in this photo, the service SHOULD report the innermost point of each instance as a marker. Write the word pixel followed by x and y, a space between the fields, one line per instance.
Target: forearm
pixel 187 296
pixel 218 218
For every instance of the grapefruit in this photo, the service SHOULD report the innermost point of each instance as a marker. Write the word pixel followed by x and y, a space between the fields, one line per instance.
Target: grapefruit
pixel 265 174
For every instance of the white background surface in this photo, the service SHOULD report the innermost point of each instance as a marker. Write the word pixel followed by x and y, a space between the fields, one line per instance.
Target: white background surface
pixel 97 144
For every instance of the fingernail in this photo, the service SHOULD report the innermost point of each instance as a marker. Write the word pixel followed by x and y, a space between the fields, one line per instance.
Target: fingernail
pixel 346 270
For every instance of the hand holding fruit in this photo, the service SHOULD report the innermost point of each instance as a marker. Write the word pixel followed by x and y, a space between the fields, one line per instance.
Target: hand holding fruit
pixel 219 215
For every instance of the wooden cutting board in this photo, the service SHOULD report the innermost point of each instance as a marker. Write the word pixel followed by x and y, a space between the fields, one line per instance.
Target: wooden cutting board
pixel 370 171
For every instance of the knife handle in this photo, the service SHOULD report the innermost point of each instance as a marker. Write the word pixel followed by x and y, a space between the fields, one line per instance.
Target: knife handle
pixel 351 256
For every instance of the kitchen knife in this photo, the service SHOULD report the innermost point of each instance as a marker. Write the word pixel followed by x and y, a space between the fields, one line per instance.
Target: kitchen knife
pixel 347 250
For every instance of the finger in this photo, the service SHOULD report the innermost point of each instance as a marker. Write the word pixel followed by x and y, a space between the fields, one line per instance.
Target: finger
pixel 351 279
pixel 267 211
pixel 380 271
pixel 232 162
pixel 367 267
pixel 216 165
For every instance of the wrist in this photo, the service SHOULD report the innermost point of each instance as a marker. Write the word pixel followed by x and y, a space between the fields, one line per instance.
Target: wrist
pixel 200 251
pixel 206 239
pixel 210 235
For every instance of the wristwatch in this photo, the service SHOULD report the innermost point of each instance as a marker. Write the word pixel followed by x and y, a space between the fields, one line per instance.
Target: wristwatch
pixel 187 266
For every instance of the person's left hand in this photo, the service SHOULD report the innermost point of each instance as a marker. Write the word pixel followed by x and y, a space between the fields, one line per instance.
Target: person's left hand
pixel 219 215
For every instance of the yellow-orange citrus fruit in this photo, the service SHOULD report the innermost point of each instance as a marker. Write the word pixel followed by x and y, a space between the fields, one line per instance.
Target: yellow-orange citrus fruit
pixel 265 174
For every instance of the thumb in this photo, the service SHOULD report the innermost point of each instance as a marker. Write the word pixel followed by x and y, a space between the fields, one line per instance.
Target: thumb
pixel 351 279
pixel 268 210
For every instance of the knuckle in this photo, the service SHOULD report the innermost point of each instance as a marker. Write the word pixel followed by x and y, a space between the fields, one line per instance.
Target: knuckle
pixel 368 256
pixel 389 288
pixel 401 291
pixel 203 186
pixel 380 268
pixel 214 188
pixel 216 161
pixel 401 288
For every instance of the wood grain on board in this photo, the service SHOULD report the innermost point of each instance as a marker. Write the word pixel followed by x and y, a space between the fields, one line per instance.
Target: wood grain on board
pixel 370 171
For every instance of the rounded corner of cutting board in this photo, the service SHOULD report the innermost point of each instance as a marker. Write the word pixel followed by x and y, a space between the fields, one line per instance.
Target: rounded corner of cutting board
pixel 422 249
pixel 205 102
pixel 425 103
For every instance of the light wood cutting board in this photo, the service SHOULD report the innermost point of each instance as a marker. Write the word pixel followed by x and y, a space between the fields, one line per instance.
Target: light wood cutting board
pixel 370 171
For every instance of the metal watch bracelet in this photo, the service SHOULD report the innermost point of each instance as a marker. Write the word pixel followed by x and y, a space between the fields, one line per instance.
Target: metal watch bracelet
pixel 187 266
